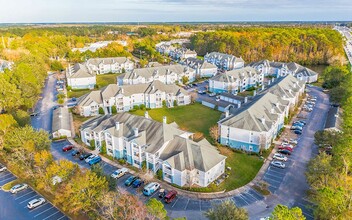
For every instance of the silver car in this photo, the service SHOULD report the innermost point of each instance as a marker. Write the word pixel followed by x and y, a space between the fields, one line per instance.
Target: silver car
pixel 278 164
pixel 280 157
pixel 35 203
pixel 2 168
pixel 19 187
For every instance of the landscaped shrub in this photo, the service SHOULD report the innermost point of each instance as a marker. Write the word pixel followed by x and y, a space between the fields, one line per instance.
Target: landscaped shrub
pixel 142 106
pixel 113 109
pixel 101 111
pixel 136 107
pixel 159 174
pixel 92 144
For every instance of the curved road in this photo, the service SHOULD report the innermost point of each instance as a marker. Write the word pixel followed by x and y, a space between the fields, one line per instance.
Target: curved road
pixel 288 186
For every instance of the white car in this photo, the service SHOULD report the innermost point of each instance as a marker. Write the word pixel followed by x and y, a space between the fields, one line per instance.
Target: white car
pixel 280 157
pixel 119 173
pixel 19 187
pixel 2 169
pixel 90 158
pixel 35 203
pixel 278 164
pixel 293 141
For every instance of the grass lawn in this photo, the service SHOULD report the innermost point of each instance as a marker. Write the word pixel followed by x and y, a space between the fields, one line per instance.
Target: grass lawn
pixel 77 93
pixel 243 168
pixel 106 79
pixel 194 118
pixel 9 185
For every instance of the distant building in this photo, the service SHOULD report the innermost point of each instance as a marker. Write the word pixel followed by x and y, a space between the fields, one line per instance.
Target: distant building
pixel 334 120
pixel 235 81
pixel 109 65
pixel 224 61
pixel 80 77
pixel 166 74
pixel 125 97
pixel 161 146
pixel 280 69
pixel 4 64
pixel 93 47
pixel 202 68
pixel 61 124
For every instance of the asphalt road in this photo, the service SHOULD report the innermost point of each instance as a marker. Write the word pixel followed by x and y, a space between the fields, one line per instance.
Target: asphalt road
pixel 14 206
pixel 288 186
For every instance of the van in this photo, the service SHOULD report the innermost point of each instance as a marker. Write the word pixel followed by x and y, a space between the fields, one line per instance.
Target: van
pixel 151 188
pixel 95 160
pixel 90 158
pixel 170 196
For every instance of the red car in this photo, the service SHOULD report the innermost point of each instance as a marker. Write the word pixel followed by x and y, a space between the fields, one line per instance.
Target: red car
pixel 285 148
pixel 67 148
pixel 170 196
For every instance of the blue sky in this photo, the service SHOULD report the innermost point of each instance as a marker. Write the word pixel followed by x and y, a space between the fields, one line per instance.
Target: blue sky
pixel 172 10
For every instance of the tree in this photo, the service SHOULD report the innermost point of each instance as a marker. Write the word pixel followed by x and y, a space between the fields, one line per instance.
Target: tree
pixel 22 117
pixel 92 144
pixel 283 212
pixel 320 171
pixel 113 109
pixel 6 123
pixel 98 169
pixel 175 103
pixel 185 79
pixel 226 210
pixel 56 66
pixel 214 132
pixel 10 95
pixel 164 104
pixel 101 111
pixel 156 208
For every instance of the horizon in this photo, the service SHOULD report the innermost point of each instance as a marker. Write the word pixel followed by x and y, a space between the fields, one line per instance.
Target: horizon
pixel 173 11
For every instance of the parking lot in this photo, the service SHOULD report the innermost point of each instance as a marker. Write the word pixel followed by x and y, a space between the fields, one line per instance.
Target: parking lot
pixel 14 206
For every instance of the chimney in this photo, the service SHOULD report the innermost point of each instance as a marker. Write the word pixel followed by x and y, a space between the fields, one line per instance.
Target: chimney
pixel 245 99
pixel 146 114
pixel 227 113
pixel 117 125
pixel 153 87
pixel 262 120
pixel 164 120
pixel 135 131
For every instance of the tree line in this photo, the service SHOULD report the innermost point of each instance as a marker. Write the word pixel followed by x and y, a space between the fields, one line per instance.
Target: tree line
pixel 308 46
pixel 329 174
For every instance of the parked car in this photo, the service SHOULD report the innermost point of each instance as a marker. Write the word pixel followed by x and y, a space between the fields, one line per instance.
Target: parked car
pixel 303 122
pixel 84 156
pixel 67 148
pixel 151 188
pixel 33 114
pixel 279 157
pixel 285 148
pixel 212 94
pixel 278 164
pixel 19 187
pixel 130 180
pixel 162 193
pixel 299 132
pixel 75 152
pixel 2 168
pixel 202 92
pixel 90 158
pixel 73 99
pixel 119 173
pixel 137 183
pixel 170 196
pixel 286 152
pixel 35 203
pixel 293 141
pixel 297 123
pixel 296 127
pixel 95 160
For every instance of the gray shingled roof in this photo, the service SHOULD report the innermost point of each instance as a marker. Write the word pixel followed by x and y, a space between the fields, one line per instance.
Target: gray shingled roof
pixel 61 119
pixel 80 71
pixel 87 99
pixel 287 86
pixel 182 153
pixel 152 71
pixel 234 75
pixel 334 119
pixel 250 116
pixel 224 56
pixel 109 60
pixel 153 134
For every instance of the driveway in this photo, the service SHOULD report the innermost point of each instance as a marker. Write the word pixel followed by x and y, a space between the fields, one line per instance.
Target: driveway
pixel 288 186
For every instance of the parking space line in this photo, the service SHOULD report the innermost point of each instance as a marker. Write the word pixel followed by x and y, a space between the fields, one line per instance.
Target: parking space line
pixel 175 202
pixel 13 177
pixel 186 205
pixel 41 206
pixel 268 174
pixel 305 213
pixel 243 199
pixel 255 199
pixel 272 180
pixel 200 205
pixel 275 171
pixel 5 175
pixel 61 217
pixel 44 210
pixel 256 193
pixel 24 195
pixel 51 215
pixel 28 199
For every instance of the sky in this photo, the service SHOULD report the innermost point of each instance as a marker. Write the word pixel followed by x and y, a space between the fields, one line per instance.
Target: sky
pixel 39 11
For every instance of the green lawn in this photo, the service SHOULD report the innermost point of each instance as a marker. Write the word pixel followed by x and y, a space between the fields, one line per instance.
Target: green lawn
pixel 106 79
pixel 77 93
pixel 244 168
pixel 194 118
